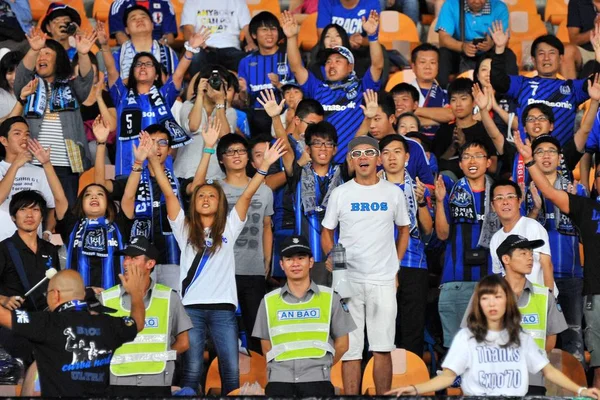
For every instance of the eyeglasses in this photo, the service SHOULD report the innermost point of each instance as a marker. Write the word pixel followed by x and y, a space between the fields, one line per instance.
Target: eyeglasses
pixel 50 291
pixel 367 153
pixel 320 144
pixel 469 157
pixel 541 118
pixel 148 64
pixel 230 152
pixel 510 196
pixel 541 152
pixel 162 142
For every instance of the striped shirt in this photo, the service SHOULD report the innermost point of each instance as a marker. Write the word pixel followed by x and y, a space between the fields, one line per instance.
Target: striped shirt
pixel 342 107
pixel 255 67
pixel 415 252
pixel 51 135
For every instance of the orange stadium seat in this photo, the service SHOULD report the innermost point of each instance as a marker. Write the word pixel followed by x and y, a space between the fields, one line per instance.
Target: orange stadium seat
pixel 101 10
pixel 256 6
pixel 524 28
pixel 562 32
pixel 308 37
pixel 398 32
pixel 39 7
pixel 556 11
pixel 88 176
pixel 336 378
pixel 568 365
pixel 253 368
pixel 407 369
pixel 521 5
pixel 406 75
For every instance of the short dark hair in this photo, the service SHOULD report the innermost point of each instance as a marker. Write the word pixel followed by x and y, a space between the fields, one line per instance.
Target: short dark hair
pixel 393 138
pixel 225 142
pixel 423 47
pixel 550 40
pixel 267 19
pixel 409 114
pixel 158 128
pixel 25 199
pixel 232 81
pixel 132 9
pixel 386 102
pixel 206 72
pixel 473 143
pixel 132 83
pixel 323 130
pixel 9 64
pixel 262 138
pixel 62 66
pixel 460 86
pixel 8 123
pixel 406 88
pixel 309 106
pixel 507 182
pixel 544 109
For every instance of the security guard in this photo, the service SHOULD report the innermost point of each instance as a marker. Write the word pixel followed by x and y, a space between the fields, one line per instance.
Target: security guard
pixel 303 328
pixel 73 346
pixel 165 335
pixel 541 315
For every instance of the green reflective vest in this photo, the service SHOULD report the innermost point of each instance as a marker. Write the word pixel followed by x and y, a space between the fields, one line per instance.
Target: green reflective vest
pixel 149 352
pixel 534 315
pixel 299 330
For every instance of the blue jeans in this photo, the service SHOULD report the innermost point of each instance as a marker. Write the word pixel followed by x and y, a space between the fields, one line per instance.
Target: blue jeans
pixel 453 303
pixel 223 329
pixel 570 298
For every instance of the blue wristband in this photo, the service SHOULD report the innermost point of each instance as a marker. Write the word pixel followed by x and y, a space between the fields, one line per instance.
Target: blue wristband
pixel 373 38
pixel 186 57
pixel 261 172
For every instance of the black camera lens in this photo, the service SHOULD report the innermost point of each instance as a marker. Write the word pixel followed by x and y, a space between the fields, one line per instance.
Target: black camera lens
pixel 71 28
pixel 215 80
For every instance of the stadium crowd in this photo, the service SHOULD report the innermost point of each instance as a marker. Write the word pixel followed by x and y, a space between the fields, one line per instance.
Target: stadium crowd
pixel 185 188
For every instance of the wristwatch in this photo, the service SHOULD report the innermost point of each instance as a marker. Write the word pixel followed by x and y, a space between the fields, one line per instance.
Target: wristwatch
pixel 219 106
pixel 530 163
pixel 191 49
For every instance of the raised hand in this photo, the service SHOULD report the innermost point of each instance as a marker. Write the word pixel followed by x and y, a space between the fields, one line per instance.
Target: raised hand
pixel 499 35
pixel 482 98
pixel 100 129
pixel 535 196
pixel 273 153
pixel 200 38
pixel 370 25
pixel 594 88
pixel 595 40
pixel 440 189
pixel 371 105
pixel 289 25
pixel 29 89
pixel 419 190
pixel 274 78
pixel 85 41
pixel 41 154
pixel 211 133
pixel 142 151
pixel 523 148
pixel 36 39
pixel 267 100
pixel 133 281
pixel 101 33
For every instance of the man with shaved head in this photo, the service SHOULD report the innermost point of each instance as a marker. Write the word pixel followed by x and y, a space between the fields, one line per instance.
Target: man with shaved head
pixel 74 345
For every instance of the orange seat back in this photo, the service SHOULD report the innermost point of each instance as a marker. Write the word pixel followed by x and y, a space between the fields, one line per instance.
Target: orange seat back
pixel 308 37
pixel 407 369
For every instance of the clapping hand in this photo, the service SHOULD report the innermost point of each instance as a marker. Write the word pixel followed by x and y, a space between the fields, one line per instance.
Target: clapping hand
pixel 101 33
pixel 85 41
pixel 523 148
pixel 440 189
pixel 419 190
pixel 482 98
pixel 29 89
pixel 100 129
pixel 594 88
pixel 36 39
pixel 267 100
pixel 41 154
pixel 535 196
pixel 142 151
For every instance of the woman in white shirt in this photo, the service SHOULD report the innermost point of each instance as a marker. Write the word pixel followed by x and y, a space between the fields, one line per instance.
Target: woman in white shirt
pixel 206 236
pixel 493 355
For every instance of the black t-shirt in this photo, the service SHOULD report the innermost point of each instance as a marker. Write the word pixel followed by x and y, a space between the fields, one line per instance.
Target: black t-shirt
pixel 65 227
pixel 89 113
pixel 585 214
pixel 35 266
pixel 444 139
pixel 158 238
pixel 73 348
pixel 10 29
pixel 582 14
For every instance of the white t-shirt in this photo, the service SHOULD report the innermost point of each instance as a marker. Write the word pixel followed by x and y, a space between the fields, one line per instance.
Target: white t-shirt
pixel 487 369
pixel 532 230
pixel 225 18
pixel 216 283
pixel 366 216
pixel 28 177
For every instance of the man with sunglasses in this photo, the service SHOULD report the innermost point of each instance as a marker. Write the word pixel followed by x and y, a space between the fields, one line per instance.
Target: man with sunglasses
pixel 367 209
pixel 141 197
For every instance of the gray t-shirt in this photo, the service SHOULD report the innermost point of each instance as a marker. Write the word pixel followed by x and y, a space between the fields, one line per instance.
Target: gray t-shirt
pixel 249 255
pixel 307 369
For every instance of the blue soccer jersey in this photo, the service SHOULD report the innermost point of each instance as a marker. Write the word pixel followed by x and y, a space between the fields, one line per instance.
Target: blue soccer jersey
pixel 563 96
pixel 415 252
pixel 333 12
pixel 342 107
pixel 255 69
pixel 161 11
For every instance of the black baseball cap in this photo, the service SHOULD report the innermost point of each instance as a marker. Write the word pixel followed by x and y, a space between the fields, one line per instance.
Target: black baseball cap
pixel 140 246
pixel 294 245
pixel 56 10
pixel 545 139
pixel 285 85
pixel 517 242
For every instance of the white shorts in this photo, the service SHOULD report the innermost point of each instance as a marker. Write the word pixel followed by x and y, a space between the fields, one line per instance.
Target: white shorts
pixel 375 304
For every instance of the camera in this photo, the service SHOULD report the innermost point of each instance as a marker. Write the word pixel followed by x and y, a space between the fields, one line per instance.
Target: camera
pixel 477 41
pixel 215 80
pixel 69 29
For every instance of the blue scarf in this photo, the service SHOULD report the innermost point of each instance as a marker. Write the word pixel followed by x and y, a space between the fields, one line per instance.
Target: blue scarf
pixel 309 202
pixel 562 222
pixel 143 224
pixel 411 204
pixel 94 238
pixel 62 98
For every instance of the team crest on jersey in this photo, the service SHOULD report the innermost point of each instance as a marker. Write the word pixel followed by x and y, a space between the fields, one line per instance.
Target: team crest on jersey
pixel 282 69
pixel 157 17
pixel 362 12
pixel 351 94
pixel 460 197
pixel 156 5
pixel 565 89
pixel 253 64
